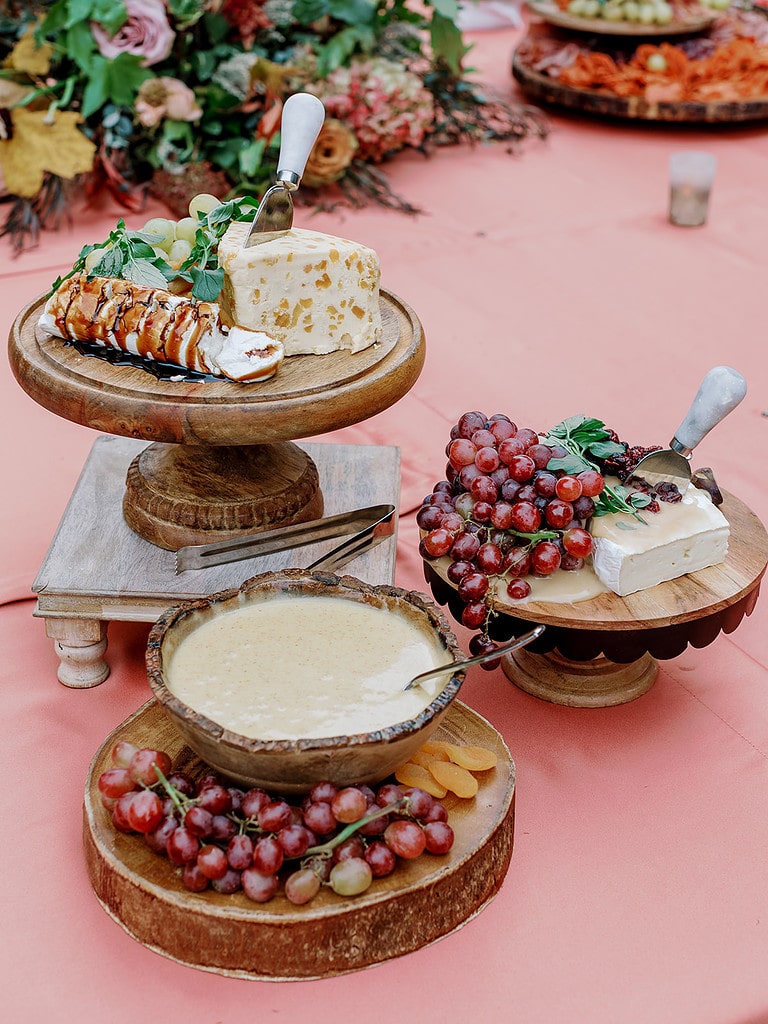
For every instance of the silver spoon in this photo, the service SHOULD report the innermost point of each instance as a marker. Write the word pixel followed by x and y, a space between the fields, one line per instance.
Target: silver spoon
pixel 454 666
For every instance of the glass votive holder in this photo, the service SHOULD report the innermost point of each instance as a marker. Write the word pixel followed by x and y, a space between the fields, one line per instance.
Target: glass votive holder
pixel 691 173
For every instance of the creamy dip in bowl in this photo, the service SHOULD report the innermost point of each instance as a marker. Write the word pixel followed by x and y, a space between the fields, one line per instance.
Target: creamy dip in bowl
pixel 297 677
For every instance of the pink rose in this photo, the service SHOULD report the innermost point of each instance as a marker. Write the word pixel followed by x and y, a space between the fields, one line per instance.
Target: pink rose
pixel 146 33
pixel 165 97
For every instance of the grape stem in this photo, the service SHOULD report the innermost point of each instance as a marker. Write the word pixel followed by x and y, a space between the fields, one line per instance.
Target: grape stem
pixel 326 849
pixel 179 802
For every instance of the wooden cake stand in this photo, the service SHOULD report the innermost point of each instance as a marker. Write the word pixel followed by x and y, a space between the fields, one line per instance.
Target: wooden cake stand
pixel 603 651
pixel 220 463
pixel 422 901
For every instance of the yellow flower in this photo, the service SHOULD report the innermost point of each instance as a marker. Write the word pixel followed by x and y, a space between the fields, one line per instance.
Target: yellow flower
pixel 40 142
pixel 332 154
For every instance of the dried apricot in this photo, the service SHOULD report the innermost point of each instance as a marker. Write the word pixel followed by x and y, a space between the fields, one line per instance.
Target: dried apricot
pixel 437 747
pixel 410 774
pixel 454 777
pixel 474 759
pixel 424 758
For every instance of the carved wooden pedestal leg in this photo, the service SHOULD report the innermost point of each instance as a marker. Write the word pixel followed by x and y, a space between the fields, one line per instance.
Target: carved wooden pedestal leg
pixel 196 494
pixel 81 645
pixel 597 683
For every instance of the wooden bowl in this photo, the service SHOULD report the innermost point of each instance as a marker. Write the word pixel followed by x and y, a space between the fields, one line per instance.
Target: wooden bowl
pixel 295 765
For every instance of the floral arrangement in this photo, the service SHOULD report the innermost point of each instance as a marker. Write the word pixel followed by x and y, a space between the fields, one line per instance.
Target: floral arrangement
pixel 178 97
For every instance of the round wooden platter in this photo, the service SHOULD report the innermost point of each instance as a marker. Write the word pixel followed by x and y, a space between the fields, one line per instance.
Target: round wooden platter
pixel 421 902
pixel 550 12
pixel 602 651
pixel 544 89
pixel 308 395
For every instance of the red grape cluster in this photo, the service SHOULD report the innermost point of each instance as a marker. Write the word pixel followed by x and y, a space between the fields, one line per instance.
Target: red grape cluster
pixel 232 839
pixel 502 514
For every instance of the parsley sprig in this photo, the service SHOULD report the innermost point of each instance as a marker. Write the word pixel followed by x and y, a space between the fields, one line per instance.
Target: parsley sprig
pixel 586 441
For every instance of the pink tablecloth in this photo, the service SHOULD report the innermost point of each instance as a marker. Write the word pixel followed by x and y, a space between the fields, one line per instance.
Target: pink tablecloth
pixel 549 282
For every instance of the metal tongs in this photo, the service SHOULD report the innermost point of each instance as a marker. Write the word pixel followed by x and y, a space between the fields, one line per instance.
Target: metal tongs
pixel 302 119
pixel 367 525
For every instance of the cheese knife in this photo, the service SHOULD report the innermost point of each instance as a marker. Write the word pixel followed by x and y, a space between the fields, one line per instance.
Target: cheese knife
pixel 302 119
pixel 719 393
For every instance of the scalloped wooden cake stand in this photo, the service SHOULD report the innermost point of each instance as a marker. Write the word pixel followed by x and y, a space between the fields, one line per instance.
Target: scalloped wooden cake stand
pixel 221 463
pixel 603 651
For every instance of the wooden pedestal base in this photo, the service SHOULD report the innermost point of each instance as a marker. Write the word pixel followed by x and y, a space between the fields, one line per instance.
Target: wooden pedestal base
pixel 580 684
pixel 197 494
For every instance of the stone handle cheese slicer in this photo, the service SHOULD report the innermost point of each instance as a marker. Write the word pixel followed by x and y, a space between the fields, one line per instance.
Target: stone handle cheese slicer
pixel 457 666
pixel 302 119
pixel 720 392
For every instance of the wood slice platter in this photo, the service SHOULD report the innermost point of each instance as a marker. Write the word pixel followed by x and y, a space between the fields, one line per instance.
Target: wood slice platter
pixel 308 395
pixel 619 637
pixel 544 89
pixel 421 902
pixel 550 12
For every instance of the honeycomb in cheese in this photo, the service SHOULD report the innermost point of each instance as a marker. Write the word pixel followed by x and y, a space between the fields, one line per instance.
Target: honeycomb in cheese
pixel 313 292
pixel 681 538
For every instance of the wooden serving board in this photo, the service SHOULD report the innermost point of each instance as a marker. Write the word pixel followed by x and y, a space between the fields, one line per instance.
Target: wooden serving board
pixel 602 651
pixel 309 394
pixel 544 89
pixel 683 600
pixel 421 902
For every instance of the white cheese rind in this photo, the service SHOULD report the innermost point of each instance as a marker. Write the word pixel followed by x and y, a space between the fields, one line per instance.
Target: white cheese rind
pixel 679 539
pixel 315 293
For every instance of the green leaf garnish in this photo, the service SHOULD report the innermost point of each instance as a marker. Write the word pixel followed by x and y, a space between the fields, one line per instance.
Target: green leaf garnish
pixel 586 439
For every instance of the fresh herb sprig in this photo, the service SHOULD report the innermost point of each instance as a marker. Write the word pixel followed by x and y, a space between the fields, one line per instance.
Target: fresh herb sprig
pixel 125 254
pixel 201 268
pixel 131 255
pixel 587 441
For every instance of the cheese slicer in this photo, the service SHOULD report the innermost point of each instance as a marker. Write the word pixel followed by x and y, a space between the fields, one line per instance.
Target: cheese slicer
pixel 719 393
pixel 457 666
pixel 302 119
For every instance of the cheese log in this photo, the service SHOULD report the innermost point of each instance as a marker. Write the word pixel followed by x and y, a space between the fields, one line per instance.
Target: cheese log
pixel 154 324
pixel 314 292
pixel 681 538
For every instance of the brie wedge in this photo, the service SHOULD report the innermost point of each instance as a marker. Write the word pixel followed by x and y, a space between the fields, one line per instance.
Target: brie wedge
pixel 313 292
pixel 680 538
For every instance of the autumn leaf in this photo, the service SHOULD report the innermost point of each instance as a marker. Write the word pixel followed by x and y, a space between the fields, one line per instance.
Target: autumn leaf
pixel 43 143
pixel 28 57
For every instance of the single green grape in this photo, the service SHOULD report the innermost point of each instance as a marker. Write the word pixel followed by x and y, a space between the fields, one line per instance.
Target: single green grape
pixel 202 203
pixel 178 252
pixel 93 258
pixel 165 230
pixel 186 229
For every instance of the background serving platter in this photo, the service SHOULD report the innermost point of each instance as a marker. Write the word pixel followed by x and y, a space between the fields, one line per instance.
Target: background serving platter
pixel 421 902
pixel 550 12
pixel 547 90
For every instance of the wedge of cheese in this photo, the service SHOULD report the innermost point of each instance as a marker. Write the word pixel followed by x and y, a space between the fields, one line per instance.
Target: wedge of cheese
pixel 679 539
pixel 315 293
